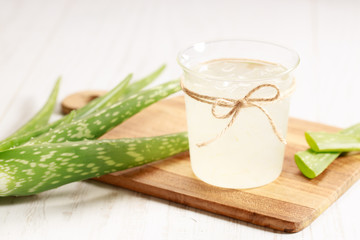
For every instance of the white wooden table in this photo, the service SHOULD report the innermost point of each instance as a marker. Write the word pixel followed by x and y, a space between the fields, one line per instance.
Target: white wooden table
pixel 95 43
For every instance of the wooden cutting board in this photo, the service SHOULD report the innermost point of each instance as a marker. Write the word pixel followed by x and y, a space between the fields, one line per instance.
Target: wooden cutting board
pixel 288 204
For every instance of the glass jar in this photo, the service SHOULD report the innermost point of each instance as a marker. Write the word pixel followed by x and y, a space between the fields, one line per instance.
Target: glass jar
pixel 242 149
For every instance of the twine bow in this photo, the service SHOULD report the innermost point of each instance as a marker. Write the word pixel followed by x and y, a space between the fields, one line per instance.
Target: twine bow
pixel 235 106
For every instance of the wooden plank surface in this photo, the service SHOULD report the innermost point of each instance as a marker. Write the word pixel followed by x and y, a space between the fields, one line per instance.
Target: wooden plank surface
pixel 288 204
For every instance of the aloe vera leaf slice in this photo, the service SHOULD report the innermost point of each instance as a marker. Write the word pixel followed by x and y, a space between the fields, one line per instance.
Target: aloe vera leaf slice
pixel 29 170
pixel 332 142
pixel 96 124
pixel 312 164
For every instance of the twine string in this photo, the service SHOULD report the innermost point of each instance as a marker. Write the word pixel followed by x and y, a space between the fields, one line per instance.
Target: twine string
pixel 236 105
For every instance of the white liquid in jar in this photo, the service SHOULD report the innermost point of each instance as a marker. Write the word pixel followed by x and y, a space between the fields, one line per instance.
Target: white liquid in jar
pixel 248 154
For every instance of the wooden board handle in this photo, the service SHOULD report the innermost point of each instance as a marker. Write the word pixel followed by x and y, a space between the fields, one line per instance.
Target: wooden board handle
pixel 79 99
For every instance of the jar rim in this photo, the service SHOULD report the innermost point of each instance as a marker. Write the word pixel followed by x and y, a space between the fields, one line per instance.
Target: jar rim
pixel 181 60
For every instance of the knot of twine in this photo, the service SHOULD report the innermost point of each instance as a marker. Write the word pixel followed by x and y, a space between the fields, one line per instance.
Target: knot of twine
pixel 236 105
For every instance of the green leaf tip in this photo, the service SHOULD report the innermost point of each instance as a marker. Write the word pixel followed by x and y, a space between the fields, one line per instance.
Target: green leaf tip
pixel 41 118
pixel 142 83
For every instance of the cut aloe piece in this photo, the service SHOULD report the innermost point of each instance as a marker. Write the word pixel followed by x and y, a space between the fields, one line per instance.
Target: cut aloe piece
pixel 332 142
pixel 312 163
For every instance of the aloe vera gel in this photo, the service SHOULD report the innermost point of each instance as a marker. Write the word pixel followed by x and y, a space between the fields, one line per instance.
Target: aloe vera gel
pixel 248 153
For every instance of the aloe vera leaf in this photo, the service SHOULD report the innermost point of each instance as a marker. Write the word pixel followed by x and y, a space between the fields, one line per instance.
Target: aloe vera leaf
pixel 105 100
pixel 36 126
pixel 33 169
pixel 96 124
pixel 332 142
pixel 109 98
pixel 42 117
pixel 312 164
pixel 142 83
pixel 17 141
